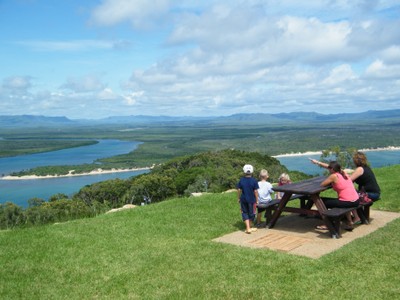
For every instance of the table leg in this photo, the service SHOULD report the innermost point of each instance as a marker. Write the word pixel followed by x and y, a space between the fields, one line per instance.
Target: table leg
pixel 335 233
pixel 279 209
pixel 305 203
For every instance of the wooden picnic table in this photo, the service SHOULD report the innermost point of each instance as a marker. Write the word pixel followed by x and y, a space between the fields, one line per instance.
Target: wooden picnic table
pixel 306 190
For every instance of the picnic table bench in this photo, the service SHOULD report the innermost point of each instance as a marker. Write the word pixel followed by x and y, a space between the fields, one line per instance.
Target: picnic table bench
pixel 337 214
pixel 309 190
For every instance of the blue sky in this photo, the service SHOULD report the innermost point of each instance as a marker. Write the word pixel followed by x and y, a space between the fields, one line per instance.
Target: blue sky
pixel 93 59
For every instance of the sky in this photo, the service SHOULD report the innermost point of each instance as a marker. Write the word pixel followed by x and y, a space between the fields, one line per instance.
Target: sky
pixel 98 58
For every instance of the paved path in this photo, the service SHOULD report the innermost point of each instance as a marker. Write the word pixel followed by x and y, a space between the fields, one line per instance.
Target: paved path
pixel 297 235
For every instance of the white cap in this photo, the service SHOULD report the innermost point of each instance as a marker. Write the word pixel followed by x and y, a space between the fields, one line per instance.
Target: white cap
pixel 248 169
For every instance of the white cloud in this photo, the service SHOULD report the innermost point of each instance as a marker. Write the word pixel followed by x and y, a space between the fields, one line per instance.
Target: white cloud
pixel 132 98
pixel 17 83
pixel 140 13
pixel 215 57
pixel 340 75
pixel 391 54
pixel 83 84
pixel 378 69
pixel 107 94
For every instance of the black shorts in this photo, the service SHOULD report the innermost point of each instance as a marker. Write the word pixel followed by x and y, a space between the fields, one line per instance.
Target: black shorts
pixel 261 207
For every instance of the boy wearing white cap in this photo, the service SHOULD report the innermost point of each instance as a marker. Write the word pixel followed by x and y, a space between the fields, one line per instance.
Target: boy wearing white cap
pixel 247 189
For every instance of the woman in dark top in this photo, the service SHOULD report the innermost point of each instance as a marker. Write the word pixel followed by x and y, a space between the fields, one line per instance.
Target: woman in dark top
pixel 364 177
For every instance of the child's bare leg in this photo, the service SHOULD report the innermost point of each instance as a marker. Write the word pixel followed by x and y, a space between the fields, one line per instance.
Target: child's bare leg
pixel 258 218
pixel 251 225
pixel 247 223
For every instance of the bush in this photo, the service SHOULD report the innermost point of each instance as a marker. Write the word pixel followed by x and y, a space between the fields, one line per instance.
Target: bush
pixel 109 192
pixel 11 215
pixel 150 188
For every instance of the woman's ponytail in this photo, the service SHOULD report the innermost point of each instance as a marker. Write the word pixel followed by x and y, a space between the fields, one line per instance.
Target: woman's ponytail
pixel 335 166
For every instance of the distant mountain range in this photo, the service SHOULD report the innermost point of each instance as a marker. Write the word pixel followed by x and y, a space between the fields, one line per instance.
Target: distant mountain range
pixel 35 121
pixel 384 116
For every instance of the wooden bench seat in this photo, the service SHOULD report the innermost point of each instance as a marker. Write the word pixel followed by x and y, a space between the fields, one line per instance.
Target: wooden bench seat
pixel 271 206
pixel 335 215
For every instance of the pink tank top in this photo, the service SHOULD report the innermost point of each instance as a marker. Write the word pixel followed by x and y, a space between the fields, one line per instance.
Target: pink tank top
pixel 345 189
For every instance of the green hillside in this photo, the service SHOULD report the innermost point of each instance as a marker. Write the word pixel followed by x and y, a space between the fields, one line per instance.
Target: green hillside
pixel 165 251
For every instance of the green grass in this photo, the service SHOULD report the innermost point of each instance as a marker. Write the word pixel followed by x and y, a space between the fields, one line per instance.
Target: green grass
pixel 165 251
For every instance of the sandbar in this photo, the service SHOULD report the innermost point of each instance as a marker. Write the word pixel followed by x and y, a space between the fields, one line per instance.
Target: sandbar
pixel 389 148
pixel 72 174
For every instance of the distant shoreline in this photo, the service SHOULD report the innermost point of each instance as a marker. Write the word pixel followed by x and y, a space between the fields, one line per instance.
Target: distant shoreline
pixel 71 174
pixel 389 148
pixel 101 171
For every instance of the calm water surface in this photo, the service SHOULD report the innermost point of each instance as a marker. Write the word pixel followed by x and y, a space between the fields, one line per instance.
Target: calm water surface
pixel 20 191
pixel 71 156
pixel 377 159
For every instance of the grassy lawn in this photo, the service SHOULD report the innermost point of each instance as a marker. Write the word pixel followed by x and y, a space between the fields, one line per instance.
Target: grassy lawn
pixel 165 251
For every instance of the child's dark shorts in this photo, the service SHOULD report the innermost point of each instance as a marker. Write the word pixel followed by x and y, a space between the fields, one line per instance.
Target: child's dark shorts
pixel 261 207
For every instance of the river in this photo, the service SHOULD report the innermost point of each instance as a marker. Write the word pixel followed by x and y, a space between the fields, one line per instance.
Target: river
pixel 20 191
pixel 70 156
pixel 376 158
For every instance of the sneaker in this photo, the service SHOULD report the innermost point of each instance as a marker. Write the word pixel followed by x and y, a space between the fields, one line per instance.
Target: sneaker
pixel 248 231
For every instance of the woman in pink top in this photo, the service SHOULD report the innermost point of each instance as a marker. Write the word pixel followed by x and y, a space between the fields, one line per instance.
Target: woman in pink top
pixel 344 187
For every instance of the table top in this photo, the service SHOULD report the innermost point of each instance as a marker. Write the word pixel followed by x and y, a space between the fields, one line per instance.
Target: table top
pixel 305 187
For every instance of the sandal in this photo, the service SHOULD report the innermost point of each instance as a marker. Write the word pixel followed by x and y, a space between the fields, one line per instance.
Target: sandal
pixel 357 222
pixel 248 231
pixel 322 227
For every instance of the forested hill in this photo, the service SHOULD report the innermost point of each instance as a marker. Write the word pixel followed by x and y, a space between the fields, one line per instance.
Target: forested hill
pixel 376 117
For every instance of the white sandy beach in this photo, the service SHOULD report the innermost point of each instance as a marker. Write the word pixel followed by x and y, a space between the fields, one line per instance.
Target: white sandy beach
pixel 72 174
pixel 299 154
pixel 389 148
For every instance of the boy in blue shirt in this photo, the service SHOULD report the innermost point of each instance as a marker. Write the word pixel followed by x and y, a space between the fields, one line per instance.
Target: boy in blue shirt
pixel 248 197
